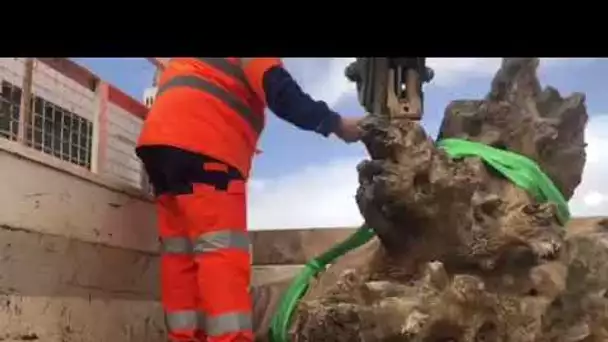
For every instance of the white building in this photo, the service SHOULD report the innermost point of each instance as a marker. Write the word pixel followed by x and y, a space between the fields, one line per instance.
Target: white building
pixel 75 117
pixel 149 95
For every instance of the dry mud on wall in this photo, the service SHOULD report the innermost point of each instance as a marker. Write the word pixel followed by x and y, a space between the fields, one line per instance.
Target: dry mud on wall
pixel 58 289
pixel 76 261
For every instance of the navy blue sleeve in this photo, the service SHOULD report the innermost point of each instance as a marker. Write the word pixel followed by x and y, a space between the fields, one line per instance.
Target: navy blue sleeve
pixel 287 100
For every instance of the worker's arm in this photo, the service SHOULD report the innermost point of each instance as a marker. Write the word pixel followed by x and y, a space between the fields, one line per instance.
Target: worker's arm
pixel 282 94
pixel 287 100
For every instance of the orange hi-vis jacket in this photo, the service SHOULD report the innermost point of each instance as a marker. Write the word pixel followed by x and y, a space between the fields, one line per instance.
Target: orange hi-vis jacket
pixel 212 106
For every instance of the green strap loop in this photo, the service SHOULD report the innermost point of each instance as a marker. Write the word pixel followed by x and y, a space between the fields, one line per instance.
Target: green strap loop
pixel 279 325
pixel 520 170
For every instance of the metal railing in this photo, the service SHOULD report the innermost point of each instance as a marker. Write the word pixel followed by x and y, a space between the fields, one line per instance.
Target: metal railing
pixel 56 131
pixel 10 105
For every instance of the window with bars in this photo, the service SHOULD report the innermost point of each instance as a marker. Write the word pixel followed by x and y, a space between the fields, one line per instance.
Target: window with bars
pixel 10 104
pixel 59 132
pixel 53 130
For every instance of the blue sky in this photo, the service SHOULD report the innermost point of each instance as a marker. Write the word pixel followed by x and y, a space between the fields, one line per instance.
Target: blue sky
pixel 304 180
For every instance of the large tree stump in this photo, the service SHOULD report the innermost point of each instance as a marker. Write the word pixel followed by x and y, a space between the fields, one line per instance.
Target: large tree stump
pixel 462 254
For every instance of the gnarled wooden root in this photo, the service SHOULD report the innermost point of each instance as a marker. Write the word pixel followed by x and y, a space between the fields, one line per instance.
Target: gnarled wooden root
pixel 463 254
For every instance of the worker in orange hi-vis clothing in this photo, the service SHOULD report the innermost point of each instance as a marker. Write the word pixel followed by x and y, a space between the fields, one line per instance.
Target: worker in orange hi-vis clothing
pixel 197 146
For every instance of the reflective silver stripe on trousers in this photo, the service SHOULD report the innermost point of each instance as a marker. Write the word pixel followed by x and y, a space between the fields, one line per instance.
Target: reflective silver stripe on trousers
pixel 225 239
pixel 213 326
pixel 184 320
pixel 206 243
pixel 228 323
pixel 175 245
pixel 255 121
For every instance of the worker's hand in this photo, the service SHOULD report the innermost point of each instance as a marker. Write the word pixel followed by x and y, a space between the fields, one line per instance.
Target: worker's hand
pixel 349 129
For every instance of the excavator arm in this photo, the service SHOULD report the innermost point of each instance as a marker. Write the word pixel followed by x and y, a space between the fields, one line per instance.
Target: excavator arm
pixel 391 85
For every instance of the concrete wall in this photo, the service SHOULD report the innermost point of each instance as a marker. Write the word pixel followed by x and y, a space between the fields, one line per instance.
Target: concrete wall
pixel 77 254
pixel 123 129
pixel 11 70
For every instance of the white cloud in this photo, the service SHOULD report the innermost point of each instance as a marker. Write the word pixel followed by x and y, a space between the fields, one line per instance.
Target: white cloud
pixel 323 78
pixel 456 71
pixel 323 195
pixel 591 197
pixel 451 71
pixel 317 196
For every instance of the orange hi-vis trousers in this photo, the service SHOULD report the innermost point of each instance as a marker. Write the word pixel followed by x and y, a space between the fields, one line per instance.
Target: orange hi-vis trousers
pixel 205 261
